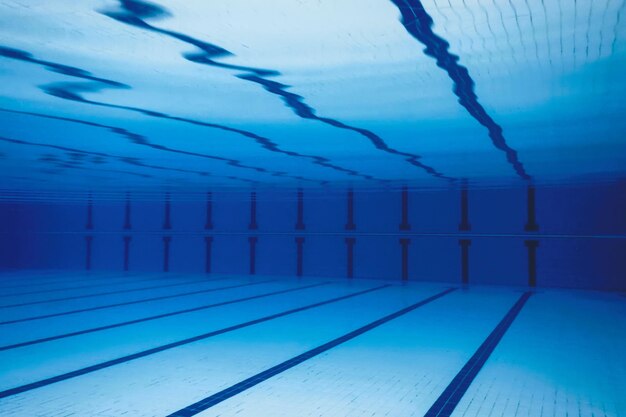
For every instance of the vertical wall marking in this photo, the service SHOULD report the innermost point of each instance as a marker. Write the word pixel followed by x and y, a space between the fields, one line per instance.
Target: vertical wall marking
pixel 208 240
pixel 465 244
pixel 89 224
pixel 300 213
pixel 532 261
pixel 209 211
pixel 465 224
pixel 88 241
pixel 166 253
pixel 350 241
pixel 127 225
pixel 531 222
pixel 299 255
pixel 405 258
pixel 253 225
pixel 350 210
pixel 252 240
pixel 166 221
pixel 405 225
pixel 127 240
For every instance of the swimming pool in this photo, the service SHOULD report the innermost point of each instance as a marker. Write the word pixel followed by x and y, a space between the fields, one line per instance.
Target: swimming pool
pixel 313 208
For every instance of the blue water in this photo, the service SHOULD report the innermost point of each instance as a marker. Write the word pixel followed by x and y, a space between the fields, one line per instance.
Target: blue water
pixel 311 93
pixel 313 208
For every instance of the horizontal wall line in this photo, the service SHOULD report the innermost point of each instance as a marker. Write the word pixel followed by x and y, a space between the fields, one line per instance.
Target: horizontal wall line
pixel 339 234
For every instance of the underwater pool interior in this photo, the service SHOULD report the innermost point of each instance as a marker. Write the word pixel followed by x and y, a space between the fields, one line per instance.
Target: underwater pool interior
pixel 313 208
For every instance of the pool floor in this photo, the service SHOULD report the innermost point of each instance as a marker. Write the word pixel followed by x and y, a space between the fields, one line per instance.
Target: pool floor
pixel 115 344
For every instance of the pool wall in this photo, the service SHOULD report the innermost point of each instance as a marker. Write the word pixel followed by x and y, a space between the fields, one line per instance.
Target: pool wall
pixel 572 237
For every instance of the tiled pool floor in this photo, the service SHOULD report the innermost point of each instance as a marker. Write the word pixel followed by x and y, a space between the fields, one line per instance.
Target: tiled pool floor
pixel 109 344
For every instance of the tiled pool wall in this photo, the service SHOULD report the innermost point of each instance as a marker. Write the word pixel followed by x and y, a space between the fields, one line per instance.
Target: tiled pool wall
pixel 572 237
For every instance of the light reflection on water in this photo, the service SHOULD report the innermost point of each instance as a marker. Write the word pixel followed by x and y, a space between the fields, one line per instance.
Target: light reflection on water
pixel 371 94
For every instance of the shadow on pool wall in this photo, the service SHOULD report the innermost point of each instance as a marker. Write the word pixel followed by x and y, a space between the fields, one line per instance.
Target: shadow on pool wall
pixel 577 238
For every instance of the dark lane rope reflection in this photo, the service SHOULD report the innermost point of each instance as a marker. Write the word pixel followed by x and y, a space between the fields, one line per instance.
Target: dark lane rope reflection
pixel 144 141
pixel 125 159
pixel 74 91
pixel 134 13
pixel 419 24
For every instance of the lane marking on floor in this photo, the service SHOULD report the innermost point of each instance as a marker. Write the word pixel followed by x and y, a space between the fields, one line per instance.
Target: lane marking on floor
pixel 127 358
pixel 23 280
pixel 109 283
pixel 125 303
pixel 451 396
pixel 248 383
pixel 158 316
pixel 99 294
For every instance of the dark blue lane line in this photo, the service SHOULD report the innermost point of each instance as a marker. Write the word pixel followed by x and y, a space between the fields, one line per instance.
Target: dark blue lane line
pixel 449 399
pixel 418 23
pixel 140 301
pixel 98 294
pixel 159 316
pixel 59 287
pixel 50 280
pixel 93 368
pixel 105 284
pixel 248 383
